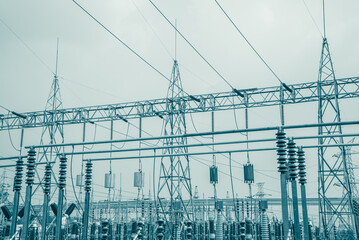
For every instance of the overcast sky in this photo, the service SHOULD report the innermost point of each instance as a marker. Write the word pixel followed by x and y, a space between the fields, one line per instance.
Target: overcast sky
pixel 94 68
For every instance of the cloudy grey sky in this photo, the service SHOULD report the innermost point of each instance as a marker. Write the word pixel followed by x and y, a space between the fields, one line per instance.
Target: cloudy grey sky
pixel 94 68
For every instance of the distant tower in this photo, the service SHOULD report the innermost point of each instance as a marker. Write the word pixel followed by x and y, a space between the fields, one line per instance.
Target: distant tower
pixel 333 172
pixel 174 178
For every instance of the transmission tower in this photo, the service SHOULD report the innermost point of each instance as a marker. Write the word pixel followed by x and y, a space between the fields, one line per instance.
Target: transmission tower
pixel 333 171
pixel 174 178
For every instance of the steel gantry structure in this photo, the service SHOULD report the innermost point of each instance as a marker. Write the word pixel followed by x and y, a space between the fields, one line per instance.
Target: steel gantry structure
pixel 345 88
pixel 256 97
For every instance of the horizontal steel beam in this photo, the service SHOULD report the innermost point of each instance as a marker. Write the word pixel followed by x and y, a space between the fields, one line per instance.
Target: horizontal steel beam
pixel 256 97
pixel 189 135
pixel 214 152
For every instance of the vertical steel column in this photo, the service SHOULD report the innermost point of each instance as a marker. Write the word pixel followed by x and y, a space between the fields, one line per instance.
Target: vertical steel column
pixel 29 181
pixel 88 181
pixel 282 168
pixel 293 178
pixel 62 185
pixel 17 189
pixel 302 181
pixel 45 206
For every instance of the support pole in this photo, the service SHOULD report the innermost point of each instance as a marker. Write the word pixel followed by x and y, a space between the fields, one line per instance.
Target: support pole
pixel 88 180
pixel 29 181
pixel 302 181
pixel 293 178
pixel 45 206
pixel 282 168
pixel 62 185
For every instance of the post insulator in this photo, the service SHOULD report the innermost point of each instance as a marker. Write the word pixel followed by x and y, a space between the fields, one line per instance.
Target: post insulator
pixel 292 165
pixel 281 152
pixel 18 174
pixel 301 166
pixel 62 177
pixel 47 179
pixel 30 166
pixel 88 176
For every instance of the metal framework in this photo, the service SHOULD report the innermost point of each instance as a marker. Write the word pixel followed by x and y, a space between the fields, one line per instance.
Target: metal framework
pixel 174 176
pixel 332 171
pixel 258 97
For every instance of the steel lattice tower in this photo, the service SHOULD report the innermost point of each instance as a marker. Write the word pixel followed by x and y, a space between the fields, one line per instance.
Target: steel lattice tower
pixel 174 178
pixel 332 170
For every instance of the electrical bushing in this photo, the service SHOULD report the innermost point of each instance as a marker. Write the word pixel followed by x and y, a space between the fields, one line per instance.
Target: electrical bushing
pixel 301 166
pixel 62 177
pixel 292 165
pixel 281 151
pixel 30 174
pixel 18 174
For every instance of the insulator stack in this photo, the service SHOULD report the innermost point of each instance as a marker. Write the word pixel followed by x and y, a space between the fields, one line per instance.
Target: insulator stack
pixel 219 227
pixel 160 229
pixel 139 229
pixel 292 159
pixel 30 167
pixel 88 176
pixel 47 179
pixel 62 177
pixel 264 226
pixel 301 166
pixel 242 230
pixel 105 229
pixel 281 151
pixel 189 230
pixel 18 174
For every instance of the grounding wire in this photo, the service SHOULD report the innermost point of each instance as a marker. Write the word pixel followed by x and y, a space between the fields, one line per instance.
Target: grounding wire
pixel 313 20
pixel 72 183
pixel 152 29
pixel 250 45
pixel 189 43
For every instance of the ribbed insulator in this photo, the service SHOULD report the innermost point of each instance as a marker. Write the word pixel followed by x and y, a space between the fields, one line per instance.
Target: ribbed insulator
pixel 264 226
pixel 62 177
pixel 301 165
pixel 292 165
pixel 18 174
pixel 30 166
pixel 242 230
pixel 281 151
pixel 88 176
pixel 219 226
pixel 188 230
pixel 47 179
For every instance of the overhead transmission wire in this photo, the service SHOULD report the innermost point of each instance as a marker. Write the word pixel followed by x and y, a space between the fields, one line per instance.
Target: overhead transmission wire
pixel 252 47
pixel 194 48
pixel 27 46
pixel 123 43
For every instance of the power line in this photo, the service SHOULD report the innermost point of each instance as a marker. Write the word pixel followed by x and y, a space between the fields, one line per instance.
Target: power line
pixel 251 46
pixel 123 43
pixel 27 46
pixel 127 46
pixel 184 38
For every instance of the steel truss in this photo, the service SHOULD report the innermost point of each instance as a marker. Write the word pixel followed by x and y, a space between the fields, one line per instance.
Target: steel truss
pixel 257 97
